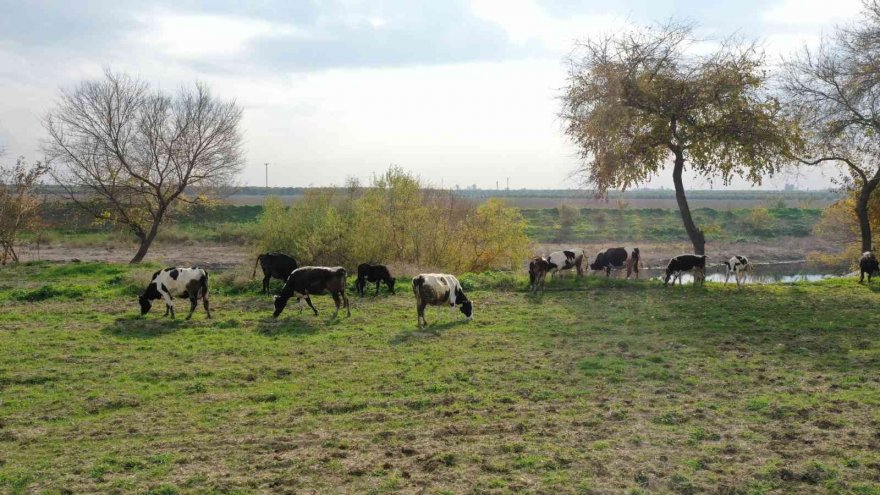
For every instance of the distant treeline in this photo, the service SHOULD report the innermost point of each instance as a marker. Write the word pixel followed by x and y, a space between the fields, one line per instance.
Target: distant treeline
pixel 750 194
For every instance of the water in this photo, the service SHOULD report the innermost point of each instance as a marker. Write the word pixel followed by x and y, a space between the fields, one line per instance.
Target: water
pixel 762 273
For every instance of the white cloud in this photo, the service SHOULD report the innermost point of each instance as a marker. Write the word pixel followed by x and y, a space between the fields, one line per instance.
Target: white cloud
pixel 200 35
pixel 811 12
pixel 525 21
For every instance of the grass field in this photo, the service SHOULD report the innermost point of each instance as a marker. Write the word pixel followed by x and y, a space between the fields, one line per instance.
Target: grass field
pixel 597 387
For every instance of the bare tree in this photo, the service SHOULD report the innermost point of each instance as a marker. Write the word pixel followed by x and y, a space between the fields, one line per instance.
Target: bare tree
pixel 128 154
pixel 635 100
pixel 835 91
pixel 18 205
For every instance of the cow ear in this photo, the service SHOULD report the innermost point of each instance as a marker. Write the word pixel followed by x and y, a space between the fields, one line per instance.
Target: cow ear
pixel 275 297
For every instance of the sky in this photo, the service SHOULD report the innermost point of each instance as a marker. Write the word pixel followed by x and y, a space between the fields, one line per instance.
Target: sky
pixel 459 92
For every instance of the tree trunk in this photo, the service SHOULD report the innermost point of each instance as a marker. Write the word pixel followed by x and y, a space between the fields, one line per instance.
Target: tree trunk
pixel 146 242
pixel 696 235
pixel 862 212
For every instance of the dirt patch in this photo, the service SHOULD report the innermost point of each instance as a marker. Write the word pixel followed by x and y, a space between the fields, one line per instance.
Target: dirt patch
pixel 207 255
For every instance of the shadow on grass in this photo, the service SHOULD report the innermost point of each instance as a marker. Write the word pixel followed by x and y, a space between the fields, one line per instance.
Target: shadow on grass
pixel 140 327
pixel 295 325
pixel 433 330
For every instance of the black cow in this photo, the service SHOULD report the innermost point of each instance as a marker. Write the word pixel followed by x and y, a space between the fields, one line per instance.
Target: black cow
pixel 317 280
pixel 684 263
pixel 373 273
pixel 277 265
pixel 617 258
pixel 868 264
pixel 538 268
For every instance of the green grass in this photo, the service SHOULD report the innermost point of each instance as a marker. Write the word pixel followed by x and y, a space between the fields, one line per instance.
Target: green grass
pixel 596 387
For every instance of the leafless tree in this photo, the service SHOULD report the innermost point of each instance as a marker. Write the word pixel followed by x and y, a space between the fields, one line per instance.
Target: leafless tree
pixel 835 91
pixel 129 155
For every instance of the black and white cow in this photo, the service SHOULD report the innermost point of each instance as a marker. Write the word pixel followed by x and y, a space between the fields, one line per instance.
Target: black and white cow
pixel 538 269
pixel 373 273
pixel 566 260
pixel 618 258
pixel 169 283
pixel 439 289
pixel 868 264
pixel 274 265
pixel 313 280
pixel 685 263
pixel 739 267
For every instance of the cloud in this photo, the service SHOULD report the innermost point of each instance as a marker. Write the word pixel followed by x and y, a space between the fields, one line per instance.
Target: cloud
pixel 811 12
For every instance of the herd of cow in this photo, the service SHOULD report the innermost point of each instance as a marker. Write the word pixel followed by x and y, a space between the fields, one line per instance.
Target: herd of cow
pixel 434 289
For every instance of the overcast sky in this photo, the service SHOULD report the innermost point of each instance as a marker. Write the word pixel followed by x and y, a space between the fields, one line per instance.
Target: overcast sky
pixel 459 92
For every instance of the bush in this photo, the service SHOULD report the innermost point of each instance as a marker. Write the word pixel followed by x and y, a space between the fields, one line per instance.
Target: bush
pixel 395 220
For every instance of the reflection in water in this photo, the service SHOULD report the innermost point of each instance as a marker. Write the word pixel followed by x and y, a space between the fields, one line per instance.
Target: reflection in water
pixel 769 273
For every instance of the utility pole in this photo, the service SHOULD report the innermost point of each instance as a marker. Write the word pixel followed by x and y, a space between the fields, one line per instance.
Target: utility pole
pixel 267 175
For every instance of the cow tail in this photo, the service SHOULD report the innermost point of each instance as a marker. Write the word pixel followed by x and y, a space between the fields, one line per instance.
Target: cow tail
pixel 254 275
pixel 204 287
pixel 417 288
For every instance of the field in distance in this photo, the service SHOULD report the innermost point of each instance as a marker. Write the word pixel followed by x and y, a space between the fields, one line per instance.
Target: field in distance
pixel 599 387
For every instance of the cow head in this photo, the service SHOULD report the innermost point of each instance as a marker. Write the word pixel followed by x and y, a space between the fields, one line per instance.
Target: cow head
pixel 669 273
pixel 391 283
pixel 280 303
pixel 465 305
pixel 145 304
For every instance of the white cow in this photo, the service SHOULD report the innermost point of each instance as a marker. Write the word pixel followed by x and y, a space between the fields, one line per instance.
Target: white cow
pixel 739 267
pixel 439 289
pixel 566 260
pixel 169 283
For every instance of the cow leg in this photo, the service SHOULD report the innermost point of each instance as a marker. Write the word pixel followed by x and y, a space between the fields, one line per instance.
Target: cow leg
pixel 420 311
pixel 169 304
pixel 337 301
pixel 345 300
pixel 309 301
pixel 377 286
pixel 607 272
pixel 205 304
pixel 193 302
pixel 266 280
pixel 167 307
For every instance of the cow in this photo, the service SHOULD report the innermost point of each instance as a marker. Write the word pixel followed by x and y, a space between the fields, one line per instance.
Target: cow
pixel 538 268
pixel 373 273
pixel 868 264
pixel 277 265
pixel 439 289
pixel 684 263
pixel 617 258
pixel 566 260
pixel 169 283
pixel 313 280
pixel 739 267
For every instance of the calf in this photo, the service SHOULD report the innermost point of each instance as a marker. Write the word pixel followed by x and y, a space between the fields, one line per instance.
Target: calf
pixel 373 273
pixel 868 264
pixel 275 265
pixel 538 269
pixel 684 263
pixel 617 258
pixel 566 260
pixel 169 283
pixel 739 267
pixel 439 289
pixel 317 280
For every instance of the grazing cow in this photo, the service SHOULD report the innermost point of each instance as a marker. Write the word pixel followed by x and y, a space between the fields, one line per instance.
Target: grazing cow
pixel 739 267
pixel 277 265
pixel 684 263
pixel 566 260
pixel 538 269
pixel 169 283
pixel 439 289
pixel 313 280
pixel 373 273
pixel 868 264
pixel 617 258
